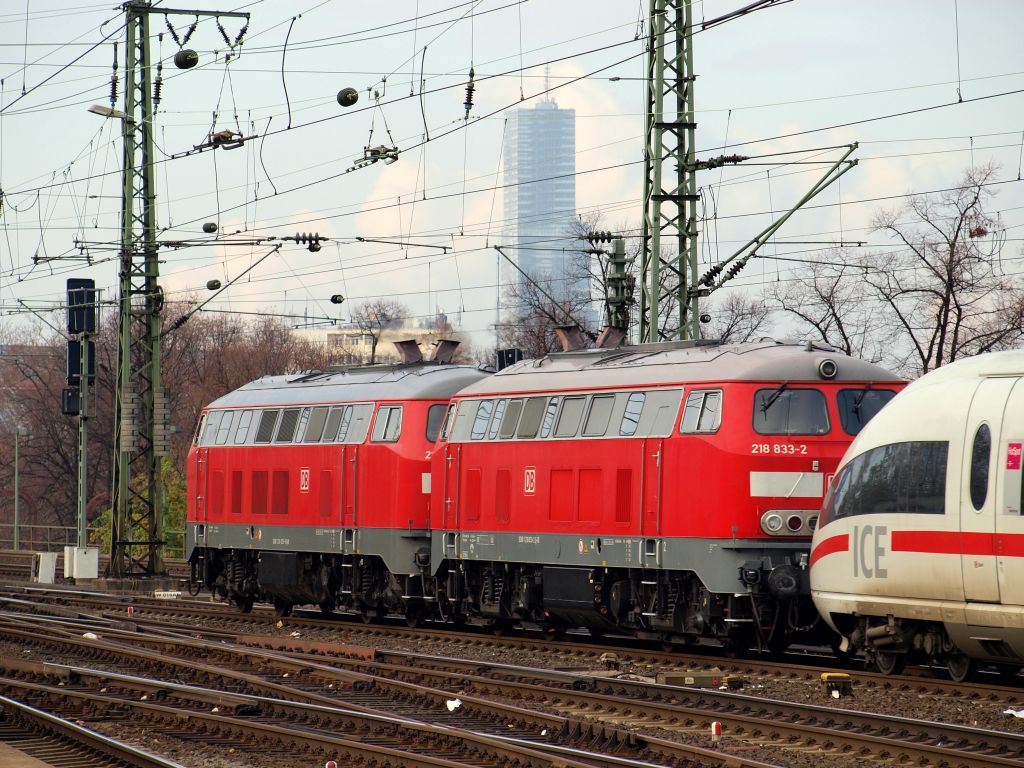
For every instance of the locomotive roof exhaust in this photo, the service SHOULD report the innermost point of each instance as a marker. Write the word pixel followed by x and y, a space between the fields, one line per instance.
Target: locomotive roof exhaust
pixel 444 351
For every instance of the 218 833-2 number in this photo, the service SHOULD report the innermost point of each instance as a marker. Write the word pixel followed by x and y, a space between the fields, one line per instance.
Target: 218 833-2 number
pixel 779 449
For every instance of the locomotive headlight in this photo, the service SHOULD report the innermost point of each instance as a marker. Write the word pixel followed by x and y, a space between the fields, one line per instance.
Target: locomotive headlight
pixel 812 523
pixel 794 523
pixel 771 523
pixel 828 369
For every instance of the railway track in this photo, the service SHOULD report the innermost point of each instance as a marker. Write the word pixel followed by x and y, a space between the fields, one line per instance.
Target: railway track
pixel 16 566
pixel 621 714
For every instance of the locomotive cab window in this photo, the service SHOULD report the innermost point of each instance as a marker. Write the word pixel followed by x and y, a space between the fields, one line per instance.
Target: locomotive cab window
pixel 783 411
pixel 703 411
pixel 981 452
pixel 334 421
pixel 199 429
pixel 210 431
pixel 499 414
pixel 859 406
pixel 388 426
pixel 483 417
pixel 435 415
pixel 242 430
pixel 224 430
pixel 449 420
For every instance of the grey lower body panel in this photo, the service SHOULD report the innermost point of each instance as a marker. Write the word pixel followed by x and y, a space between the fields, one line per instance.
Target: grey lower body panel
pixel 716 562
pixel 396 547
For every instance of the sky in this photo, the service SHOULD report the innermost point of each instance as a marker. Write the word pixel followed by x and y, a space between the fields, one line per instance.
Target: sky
pixel 927 88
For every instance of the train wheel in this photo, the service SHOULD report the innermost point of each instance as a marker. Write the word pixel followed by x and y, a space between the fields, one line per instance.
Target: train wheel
pixel 244 604
pixel 327 607
pixel 1008 672
pixel 282 607
pixel 501 627
pixel 889 663
pixel 961 668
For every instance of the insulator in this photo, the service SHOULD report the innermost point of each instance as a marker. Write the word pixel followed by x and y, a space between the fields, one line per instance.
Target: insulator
pixel 113 89
pixel 470 88
pixel 158 84
pixel 186 58
pixel 348 96
pixel 212 285
pixel 337 298
pixel 241 33
pixel 209 227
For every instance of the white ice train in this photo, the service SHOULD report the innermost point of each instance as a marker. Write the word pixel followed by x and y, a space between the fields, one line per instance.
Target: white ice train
pixel 919 551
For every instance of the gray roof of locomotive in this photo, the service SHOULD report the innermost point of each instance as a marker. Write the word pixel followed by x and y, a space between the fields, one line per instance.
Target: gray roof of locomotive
pixel 670 363
pixel 417 381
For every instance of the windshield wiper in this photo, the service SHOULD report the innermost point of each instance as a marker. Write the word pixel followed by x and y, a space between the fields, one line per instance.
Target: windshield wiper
pixel 860 399
pixel 770 401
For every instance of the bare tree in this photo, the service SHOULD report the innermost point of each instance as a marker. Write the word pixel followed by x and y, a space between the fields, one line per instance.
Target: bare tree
pixel 944 289
pixel 828 300
pixel 737 319
pixel 373 317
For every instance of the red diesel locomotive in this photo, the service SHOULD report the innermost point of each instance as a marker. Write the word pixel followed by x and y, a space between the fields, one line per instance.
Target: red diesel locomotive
pixel 666 490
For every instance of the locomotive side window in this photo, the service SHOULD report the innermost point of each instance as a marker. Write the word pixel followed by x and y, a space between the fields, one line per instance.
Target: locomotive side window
pixel 388 426
pixel 355 431
pixel 859 406
pixel 499 413
pixel 199 429
pixel 782 411
pixel 435 415
pixel 900 478
pixel 533 412
pixel 332 423
pixel 300 428
pixel 600 413
pixel 631 416
pixel 212 422
pixel 242 431
pixel 449 420
pixel 511 419
pixel 703 411
pixel 315 425
pixel 980 454
pixel 286 429
pixel 569 417
pixel 549 416
pixel 268 420
pixel 226 422
pixel 483 416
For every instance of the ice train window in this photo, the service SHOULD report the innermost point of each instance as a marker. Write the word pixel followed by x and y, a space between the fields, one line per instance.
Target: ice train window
pixel 783 411
pixel 980 454
pixel 899 478
pixel 859 406
pixel 703 411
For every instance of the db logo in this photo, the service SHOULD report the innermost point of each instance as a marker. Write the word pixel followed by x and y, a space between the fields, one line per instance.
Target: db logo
pixel 530 481
pixel 304 480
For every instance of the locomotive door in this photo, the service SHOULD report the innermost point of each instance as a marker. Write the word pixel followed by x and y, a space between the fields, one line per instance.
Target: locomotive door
pixel 978 498
pixel 650 514
pixel 202 475
pixel 349 484
pixel 1010 506
pixel 451 485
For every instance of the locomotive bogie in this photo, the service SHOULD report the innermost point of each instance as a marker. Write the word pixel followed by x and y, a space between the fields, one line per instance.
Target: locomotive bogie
pixel 920 547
